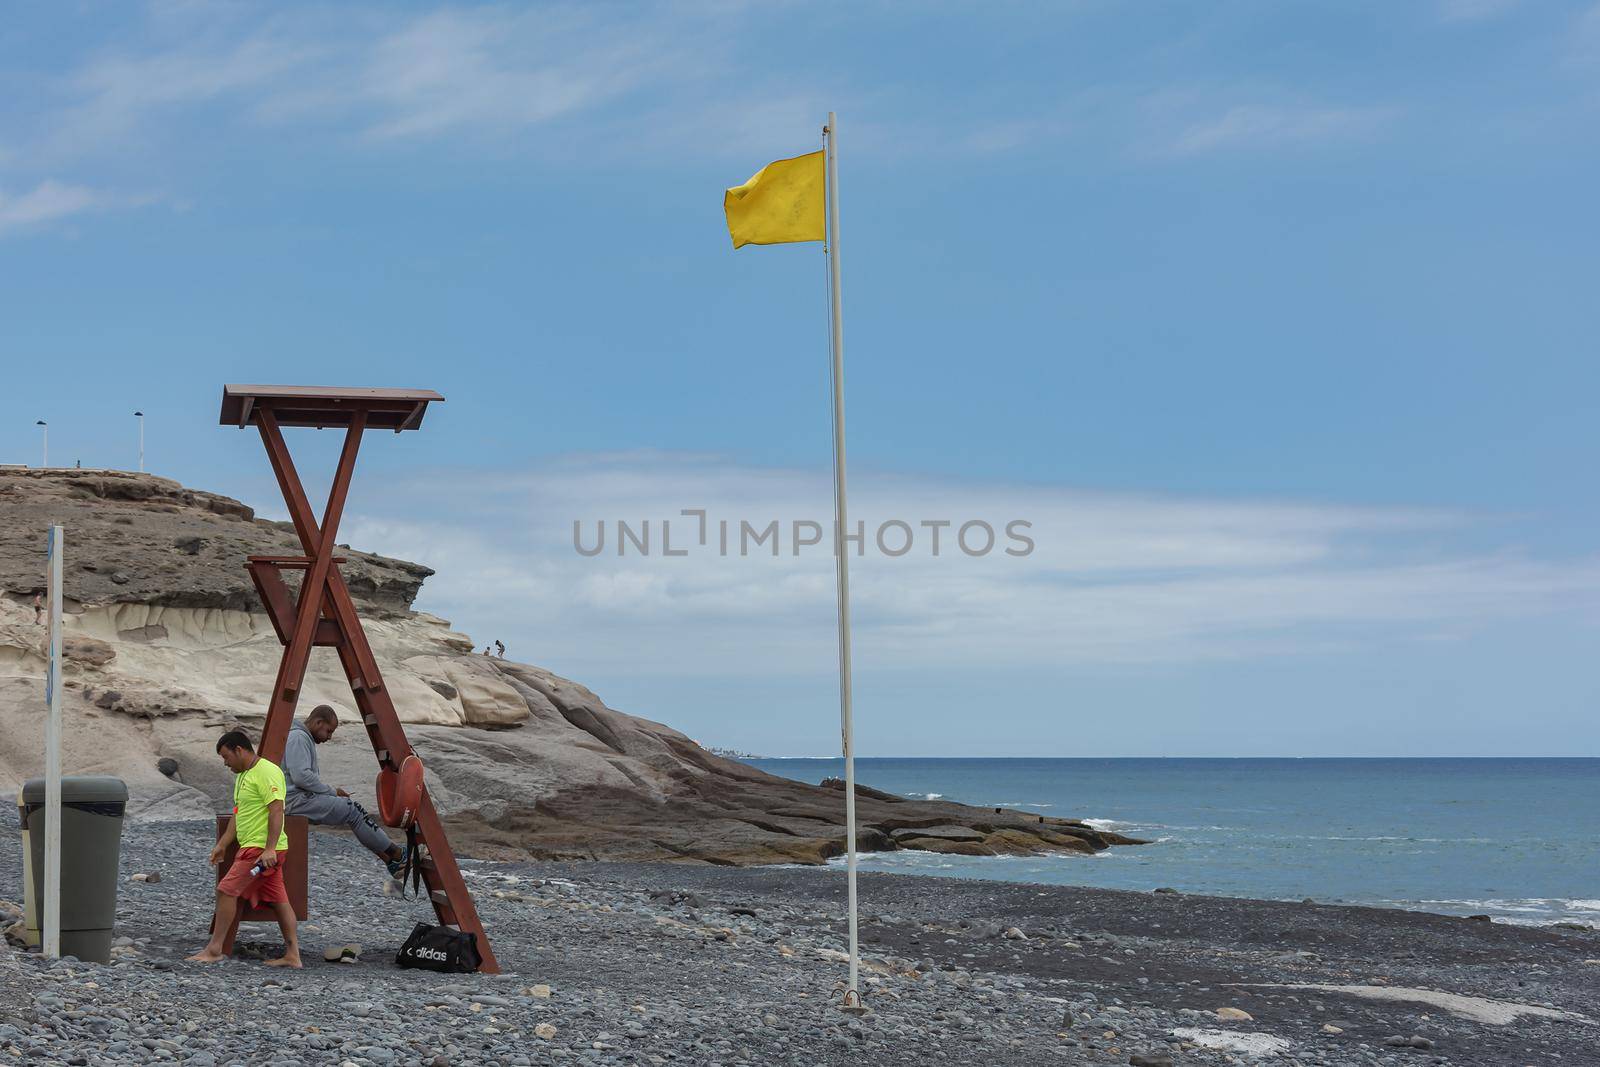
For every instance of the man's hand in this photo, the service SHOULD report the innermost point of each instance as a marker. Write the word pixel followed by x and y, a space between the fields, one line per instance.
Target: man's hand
pixel 269 858
pixel 217 851
pixel 340 793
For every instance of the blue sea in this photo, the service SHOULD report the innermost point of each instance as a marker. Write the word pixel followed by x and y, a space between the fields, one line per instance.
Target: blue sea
pixel 1518 839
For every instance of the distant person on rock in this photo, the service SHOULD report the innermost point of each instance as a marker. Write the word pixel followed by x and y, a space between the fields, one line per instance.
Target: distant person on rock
pixel 256 876
pixel 320 802
pixel 500 648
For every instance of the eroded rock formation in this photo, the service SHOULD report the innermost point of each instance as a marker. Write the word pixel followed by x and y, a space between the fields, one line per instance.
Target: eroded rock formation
pixel 166 645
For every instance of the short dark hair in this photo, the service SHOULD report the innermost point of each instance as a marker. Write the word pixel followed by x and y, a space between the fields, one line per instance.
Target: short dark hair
pixel 323 713
pixel 235 739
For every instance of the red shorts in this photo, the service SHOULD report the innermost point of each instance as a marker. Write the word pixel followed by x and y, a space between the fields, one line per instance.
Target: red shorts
pixel 264 888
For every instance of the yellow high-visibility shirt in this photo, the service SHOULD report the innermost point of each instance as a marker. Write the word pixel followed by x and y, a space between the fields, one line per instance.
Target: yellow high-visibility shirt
pixel 253 792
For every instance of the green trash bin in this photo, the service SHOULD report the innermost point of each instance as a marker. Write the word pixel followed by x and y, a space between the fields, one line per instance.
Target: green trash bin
pixel 92 808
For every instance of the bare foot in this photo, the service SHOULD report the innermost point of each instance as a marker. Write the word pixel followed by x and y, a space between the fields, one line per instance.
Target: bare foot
pixel 206 955
pixel 288 959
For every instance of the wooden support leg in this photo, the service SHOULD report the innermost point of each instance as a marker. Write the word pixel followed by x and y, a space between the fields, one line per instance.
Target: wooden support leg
pixel 443 877
pixel 447 888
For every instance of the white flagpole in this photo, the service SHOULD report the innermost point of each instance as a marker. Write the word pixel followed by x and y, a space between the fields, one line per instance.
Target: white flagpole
pixel 841 556
pixel 52 760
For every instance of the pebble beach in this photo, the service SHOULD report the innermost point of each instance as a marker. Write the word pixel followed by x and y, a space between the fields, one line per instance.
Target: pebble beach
pixel 620 963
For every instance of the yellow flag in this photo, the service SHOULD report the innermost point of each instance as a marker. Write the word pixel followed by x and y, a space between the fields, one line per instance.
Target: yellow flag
pixel 783 203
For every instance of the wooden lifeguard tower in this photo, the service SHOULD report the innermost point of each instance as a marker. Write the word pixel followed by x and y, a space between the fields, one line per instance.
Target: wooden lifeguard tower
pixel 323 613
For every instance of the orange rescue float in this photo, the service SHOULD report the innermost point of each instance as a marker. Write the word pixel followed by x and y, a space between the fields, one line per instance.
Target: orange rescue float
pixel 400 793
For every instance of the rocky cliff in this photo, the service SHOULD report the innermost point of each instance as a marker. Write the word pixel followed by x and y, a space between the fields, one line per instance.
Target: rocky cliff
pixel 166 646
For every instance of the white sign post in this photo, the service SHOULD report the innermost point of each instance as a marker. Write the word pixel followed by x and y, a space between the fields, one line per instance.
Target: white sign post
pixel 52 760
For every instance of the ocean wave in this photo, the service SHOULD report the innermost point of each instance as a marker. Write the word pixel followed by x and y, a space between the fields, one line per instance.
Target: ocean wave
pixel 1120 825
pixel 1126 853
pixel 1337 837
pixel 1056 868
pixel 1517 911
pixel 1592 924
pixel 1524 904
pixel 1387 837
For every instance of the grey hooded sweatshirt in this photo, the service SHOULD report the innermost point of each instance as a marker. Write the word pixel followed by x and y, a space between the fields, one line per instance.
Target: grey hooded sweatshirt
pixel 310 796
pixel 300 765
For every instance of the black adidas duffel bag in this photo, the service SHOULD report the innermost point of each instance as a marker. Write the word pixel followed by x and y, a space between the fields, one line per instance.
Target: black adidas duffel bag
pixel 439 948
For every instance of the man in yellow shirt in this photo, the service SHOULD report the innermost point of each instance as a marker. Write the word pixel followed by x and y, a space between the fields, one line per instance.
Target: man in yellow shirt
pixel 257 824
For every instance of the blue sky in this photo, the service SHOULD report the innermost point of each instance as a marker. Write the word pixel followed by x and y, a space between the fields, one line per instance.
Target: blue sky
pixel 1276 321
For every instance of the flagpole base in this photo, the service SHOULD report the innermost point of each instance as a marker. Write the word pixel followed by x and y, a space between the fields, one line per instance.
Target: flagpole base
pixel 852 1003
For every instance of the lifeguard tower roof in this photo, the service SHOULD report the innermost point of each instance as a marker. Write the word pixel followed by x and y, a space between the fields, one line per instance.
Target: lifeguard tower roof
pixel 323 405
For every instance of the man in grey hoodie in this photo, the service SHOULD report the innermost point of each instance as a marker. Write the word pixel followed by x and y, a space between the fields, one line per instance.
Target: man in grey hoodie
pixel 321 803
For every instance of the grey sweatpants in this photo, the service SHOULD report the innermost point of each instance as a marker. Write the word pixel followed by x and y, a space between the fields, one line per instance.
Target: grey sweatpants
pixel 329 810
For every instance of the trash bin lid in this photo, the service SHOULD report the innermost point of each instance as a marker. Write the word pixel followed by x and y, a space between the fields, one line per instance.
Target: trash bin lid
pixel 79 789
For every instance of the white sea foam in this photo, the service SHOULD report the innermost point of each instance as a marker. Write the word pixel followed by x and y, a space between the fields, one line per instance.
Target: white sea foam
pixel 1141 827
pixel 1522 911
pixel 1528 904
pixel 1411 840
pixel 1336 837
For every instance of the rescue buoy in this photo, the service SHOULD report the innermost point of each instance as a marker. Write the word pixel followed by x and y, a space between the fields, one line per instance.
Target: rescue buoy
pixel 400 793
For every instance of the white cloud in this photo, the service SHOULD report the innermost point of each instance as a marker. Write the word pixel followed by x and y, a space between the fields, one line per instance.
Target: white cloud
pixel 454 69
pixel 1115 578
pixel 121 87
pixel 1257 126
pixel 483 70
pixel 599 82
pixel 51 201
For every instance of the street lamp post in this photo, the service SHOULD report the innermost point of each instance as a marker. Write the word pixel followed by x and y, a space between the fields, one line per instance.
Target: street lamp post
pixel 140 414
pixel 46 433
